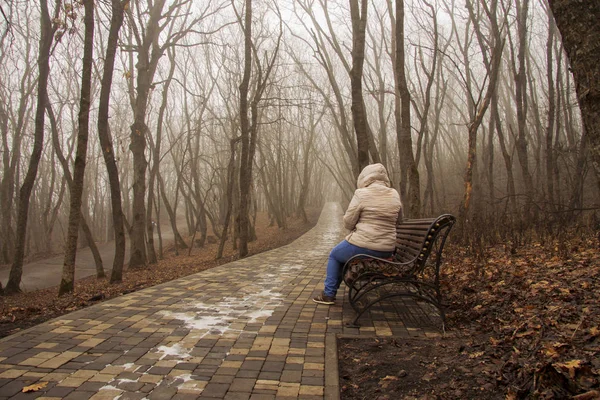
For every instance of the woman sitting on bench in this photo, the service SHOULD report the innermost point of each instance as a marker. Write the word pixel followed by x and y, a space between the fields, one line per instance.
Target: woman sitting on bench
pixel 371 218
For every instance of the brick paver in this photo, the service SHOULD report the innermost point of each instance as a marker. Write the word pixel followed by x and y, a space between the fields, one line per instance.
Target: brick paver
pixel 244 330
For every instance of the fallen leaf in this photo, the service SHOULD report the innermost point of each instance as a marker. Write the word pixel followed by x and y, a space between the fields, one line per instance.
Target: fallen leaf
pixel 476 354
pixel 428 377
pixel 591 395
pixel 570 366
pixel 550 352
pixel 35 387
pixel 389 378
pixel 526 333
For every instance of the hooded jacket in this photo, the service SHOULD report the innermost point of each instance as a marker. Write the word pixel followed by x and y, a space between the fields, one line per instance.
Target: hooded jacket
pixel 373 211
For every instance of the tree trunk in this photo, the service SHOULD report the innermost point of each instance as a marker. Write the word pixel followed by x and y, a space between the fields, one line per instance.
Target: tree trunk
pixel 473 127
pixel 229 195
pixel 67 283
pixel 359 115
pixel 105 139
pixel 7 185
pixel 307 167
pixel 409 174
pixel 172 215
pixel 576 199
pixel 69 179
pixel 47 34
pixel 146 67
pixel 11 157
pixel 580 31
pixel 156 160
pixel 551 112
pixel 510 180
pixel 521 105
pixel 246 161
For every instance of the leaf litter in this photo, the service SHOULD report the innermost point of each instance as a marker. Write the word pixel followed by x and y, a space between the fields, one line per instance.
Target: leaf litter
pixel 526 325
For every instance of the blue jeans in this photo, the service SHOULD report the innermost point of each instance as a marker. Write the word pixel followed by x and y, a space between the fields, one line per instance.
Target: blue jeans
pixel 338 257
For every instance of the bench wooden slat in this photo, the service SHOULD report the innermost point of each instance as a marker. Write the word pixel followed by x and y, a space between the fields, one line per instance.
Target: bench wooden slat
pixel 413 226
pixel 413 249
pixel 406 227
pixel 413 222
pixel 411 241
pixel 405 257
pixel 413 231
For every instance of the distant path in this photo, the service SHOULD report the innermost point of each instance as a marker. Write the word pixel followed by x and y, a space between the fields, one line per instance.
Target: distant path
pixel 47 273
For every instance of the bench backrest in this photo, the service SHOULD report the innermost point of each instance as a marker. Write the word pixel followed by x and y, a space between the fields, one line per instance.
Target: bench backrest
pixel 415 238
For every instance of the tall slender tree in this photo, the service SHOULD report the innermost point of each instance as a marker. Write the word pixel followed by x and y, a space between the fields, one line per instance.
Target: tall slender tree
pixel 89 236
pixel 492 61
pixel 409 173
pixel 105 139
pixel 359 114
pixel 245 174
pixel 47 31
pixel 249 124
pixel 67 282
pixel 520 76
pixel 149 53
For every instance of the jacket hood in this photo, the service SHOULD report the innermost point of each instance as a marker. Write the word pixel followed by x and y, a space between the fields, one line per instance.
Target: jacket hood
pixel 373 173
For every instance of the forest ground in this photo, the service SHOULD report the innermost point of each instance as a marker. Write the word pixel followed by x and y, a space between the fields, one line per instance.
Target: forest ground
pixel 521 324
pixel 27 309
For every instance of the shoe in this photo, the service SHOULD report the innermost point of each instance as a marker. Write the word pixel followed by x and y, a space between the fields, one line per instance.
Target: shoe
pixel 324 299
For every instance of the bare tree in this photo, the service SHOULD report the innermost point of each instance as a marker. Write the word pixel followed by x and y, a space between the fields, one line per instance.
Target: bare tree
pixel 409 173
pixel 249 126
pixel 47 34
pixel 106 143
pixel 551 111
pixel 359 115
pixel 67 282
pixel 11 148
pixel 69 181
pixel 494 71
pixel 520 77
pixel 156 157
pixel 150 51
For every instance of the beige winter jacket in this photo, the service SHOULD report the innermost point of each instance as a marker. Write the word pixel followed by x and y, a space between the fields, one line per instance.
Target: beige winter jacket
pixel 373 211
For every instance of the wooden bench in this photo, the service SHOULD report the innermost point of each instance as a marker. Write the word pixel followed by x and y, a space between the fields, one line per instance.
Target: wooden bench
pixel 413 271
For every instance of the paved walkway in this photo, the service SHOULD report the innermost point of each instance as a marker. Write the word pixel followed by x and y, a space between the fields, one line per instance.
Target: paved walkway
pixel 47 272
pixel 244 330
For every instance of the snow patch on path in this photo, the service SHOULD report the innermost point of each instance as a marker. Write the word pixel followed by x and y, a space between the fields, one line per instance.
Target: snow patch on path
pixel 256 304
pixel 175 350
